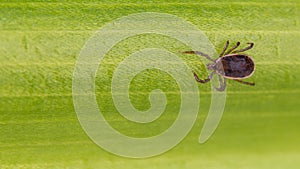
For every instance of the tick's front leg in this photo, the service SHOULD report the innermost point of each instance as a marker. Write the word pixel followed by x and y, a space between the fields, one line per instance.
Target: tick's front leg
pixel 245 49
pixel 224 49
pixel 234 47
pixel 199 53
pixel 201 80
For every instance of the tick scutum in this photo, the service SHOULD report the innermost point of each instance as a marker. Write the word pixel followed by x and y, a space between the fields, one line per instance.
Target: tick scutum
pixel 236 66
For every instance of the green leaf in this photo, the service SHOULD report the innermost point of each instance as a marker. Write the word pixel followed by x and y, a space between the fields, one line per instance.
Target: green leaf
pixel 41 40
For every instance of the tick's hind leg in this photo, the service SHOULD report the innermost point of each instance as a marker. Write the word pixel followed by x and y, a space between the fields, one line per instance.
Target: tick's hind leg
pixel 246 48
pixel 222 81
pixel 243 82
pixel 199 53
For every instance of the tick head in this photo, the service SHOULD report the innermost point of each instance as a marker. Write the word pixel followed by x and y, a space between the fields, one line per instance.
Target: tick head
pixel 211 66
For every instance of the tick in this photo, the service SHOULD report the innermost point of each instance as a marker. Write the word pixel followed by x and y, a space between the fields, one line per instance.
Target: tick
pixel 231 64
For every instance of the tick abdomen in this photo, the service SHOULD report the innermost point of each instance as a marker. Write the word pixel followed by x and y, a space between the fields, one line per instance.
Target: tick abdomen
pixel 236 66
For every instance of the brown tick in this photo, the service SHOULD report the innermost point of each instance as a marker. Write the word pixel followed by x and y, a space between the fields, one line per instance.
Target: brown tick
pixel 231 64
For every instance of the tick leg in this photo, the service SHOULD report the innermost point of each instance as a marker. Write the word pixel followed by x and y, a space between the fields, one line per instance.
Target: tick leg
pixel 243 82
pixel 203 80
pixel 237 45
pixel 199 53
pixel 222 81
pixel 246 48
pixel 224 49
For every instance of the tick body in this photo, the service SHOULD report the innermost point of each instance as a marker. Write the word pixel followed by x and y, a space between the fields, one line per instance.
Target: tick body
pixel 231 64
pixel 235 66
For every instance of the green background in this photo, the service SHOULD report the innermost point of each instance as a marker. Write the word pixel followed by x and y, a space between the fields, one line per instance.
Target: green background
pixel 39 44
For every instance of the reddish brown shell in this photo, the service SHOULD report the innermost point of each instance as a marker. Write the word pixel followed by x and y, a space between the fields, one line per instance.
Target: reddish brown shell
pixel 236 66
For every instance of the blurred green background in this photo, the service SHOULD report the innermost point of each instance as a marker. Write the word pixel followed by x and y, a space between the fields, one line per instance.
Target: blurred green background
pixel 39 44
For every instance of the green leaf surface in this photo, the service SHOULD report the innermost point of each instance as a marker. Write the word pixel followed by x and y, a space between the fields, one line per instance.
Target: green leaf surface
pixel 41 40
